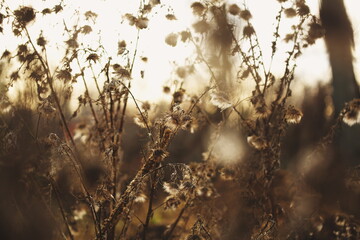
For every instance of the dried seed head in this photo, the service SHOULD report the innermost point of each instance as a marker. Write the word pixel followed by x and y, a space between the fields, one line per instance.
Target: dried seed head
pixel 201 26
pixel 293 115
pixel 257 142
pixel 227 174
pixel 234 9
pixel 220 100
pixel 79 214
pixel 262 111
pixel 171 188
pixel 198 8
pixel 302 9
pixel 316 31
pixel 171 39
pixel 178 96
pixel 290 12
pixel 352 114
pixel 140 198
pixel 54 139
pixel 245 14
pixel 142 23
pixel 248 31
pixel 24 15
pixel 172 203
pixel 41 41
pixel 170 17
pixel 185 35
pixel 141 122
pixel 159 154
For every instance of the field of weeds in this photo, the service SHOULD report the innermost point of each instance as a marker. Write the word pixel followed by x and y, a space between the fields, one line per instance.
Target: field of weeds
pixel 225 153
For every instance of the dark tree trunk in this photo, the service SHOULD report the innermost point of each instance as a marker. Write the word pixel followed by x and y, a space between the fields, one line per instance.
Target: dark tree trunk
pixel 339 39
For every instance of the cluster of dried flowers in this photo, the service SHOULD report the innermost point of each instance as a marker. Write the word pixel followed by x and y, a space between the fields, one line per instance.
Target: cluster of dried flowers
pixel 103 172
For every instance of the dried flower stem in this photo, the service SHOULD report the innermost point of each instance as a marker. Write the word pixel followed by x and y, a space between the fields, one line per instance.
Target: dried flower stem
pixel 50 81
pixel 57 195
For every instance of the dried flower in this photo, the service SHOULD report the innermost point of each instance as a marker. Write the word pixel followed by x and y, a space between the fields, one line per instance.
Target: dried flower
pixel 293 115
pixel 132 20
pixel 185 35
pixel 86 29
pixel 227 174
pixel 54 139
pixel 90 15
pixel 58 8
pixel 170 188
pixel 248 31
pixel 289 37
pixel 166 89
pixel 140 198
pixel 303 9
pixel 178 96
pixel 352 115
pixel 220 100
pixel 316 31
pixel 245 14
pixel 172 203
pixel 64 75
pixel 79 214
pixel 92 57
pixel 201 26
pixel 41 41
pixel 290 12
pixel 170 17
pixel 198 8
pixel 46 11
pixel 72 43
pixel 171 39
pixel 5 54
pixel 121 47
pixel 234 9
pixel 257 142
pixel 25 15
pixel 262 111
pixel 142 23
pixel 120 71
pixel 159 154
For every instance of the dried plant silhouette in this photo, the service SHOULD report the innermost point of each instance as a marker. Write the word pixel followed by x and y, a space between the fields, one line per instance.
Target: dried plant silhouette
pixel 240 159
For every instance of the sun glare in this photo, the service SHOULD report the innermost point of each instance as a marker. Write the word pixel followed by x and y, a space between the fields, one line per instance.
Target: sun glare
pixel 159 69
